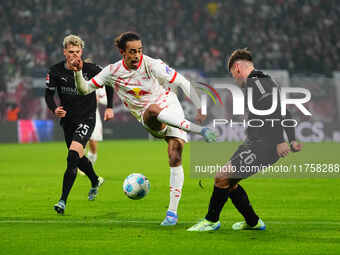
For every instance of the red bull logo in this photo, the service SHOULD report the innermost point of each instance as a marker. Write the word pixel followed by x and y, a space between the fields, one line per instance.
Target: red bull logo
pixel 137 92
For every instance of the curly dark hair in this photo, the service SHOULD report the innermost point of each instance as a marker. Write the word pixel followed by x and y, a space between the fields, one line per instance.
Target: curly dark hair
pixel 123 38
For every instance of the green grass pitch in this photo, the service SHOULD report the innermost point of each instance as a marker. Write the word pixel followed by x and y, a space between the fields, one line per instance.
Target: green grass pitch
pixel 302 215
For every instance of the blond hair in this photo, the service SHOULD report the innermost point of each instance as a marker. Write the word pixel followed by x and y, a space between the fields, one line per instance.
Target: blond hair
pixel 73 40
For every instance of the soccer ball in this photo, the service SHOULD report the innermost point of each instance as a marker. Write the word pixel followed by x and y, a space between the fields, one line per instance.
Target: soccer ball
pixel 136 186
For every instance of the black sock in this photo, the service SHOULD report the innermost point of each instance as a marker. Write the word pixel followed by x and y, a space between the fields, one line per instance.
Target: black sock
pixel 85 165
pixel 240 200
pixel 218 198
pixel 70 173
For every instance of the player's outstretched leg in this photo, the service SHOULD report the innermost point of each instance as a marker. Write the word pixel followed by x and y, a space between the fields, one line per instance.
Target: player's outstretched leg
pixel 172 119
pixel 241 202
pixel 69 177
pixel 175 148
pixel 86 166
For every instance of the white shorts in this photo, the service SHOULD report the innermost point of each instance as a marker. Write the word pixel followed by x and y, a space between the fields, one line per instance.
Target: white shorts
pixel 174 107
pixel 97 134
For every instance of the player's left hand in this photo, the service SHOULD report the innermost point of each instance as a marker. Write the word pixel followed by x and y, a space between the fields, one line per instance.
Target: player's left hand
pixel 200 117
pixel 282 149
pixel 295 146
pixel 109 114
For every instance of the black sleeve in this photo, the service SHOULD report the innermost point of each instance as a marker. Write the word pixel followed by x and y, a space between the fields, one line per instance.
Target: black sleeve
pixel 109 96
pixel 290 131
pixel 49 92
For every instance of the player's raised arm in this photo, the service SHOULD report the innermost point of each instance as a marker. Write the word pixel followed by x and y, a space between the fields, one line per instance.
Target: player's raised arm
pixel 85 87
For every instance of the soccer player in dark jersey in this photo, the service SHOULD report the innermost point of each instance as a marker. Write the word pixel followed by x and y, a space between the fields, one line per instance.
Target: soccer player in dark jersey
pixel 77 116
pixel 263 147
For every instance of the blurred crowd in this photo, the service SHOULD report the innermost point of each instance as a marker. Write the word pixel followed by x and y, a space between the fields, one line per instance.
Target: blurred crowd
pixel 297 35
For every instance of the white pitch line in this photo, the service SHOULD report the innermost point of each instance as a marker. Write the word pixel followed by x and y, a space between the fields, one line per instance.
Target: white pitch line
pixel 153 222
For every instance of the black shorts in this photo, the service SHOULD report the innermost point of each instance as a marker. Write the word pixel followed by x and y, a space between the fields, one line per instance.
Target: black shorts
pixel 251 157
pixel 79 131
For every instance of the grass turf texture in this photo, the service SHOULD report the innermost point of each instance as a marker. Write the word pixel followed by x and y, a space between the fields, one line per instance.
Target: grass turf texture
pixel 302 215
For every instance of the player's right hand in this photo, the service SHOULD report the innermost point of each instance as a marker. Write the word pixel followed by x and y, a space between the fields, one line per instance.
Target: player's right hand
pixel 76 64
pixel 282 149
pixel 60 112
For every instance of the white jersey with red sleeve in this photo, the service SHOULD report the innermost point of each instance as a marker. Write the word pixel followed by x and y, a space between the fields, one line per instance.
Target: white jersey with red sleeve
pixel 149 84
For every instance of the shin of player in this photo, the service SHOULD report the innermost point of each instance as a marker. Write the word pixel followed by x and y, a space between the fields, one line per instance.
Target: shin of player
pixel 175 148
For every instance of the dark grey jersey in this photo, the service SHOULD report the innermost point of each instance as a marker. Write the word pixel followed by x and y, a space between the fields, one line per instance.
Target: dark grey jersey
pixel 262 97
pixel 61 80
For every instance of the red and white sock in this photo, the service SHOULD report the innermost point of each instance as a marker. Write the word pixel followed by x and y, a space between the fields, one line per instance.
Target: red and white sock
pixel 176 184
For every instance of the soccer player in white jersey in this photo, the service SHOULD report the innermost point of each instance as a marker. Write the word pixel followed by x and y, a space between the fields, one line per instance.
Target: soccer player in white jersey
pixel 147 88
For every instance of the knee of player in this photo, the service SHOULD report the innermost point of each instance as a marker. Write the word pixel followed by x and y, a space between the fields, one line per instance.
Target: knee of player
pixel 223 182
pixel 154 110
pixel 175 158
pixel 72 159
pixel 72 155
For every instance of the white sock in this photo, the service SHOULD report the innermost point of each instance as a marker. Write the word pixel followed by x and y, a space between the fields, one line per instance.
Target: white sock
pixel 172 119
pixel 92 157
pixel 176 184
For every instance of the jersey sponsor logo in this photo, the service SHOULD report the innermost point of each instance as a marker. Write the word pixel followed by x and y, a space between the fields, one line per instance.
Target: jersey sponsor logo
pixel 69 91
pixel 64 79
pixel 137 92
